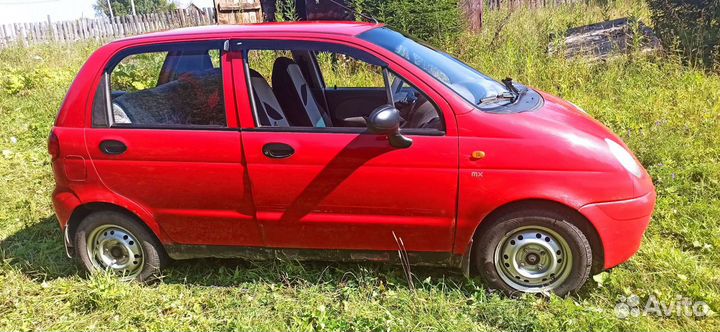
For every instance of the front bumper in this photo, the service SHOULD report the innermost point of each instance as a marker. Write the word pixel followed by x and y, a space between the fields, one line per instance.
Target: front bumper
pixel 620 225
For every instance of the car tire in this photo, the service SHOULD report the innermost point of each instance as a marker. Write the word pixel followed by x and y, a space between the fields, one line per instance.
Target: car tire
pixel 532 251
pixel 122 239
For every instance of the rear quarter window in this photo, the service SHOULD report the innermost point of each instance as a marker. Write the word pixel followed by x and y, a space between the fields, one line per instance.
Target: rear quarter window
pixel 164 86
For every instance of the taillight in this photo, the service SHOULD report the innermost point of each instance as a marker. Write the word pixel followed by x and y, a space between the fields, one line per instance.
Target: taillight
pixel 53 146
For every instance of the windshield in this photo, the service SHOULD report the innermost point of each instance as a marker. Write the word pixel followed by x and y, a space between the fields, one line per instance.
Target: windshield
pixel 461 78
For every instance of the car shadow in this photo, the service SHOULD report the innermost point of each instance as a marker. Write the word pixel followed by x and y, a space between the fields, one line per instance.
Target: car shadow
pixel 356 153
pixel 215 272
pixel 37 251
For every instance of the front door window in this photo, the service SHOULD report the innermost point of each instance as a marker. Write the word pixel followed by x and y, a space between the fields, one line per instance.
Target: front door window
pixel 319 86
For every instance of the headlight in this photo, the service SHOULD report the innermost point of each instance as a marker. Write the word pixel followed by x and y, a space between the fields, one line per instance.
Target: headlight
pixel 624 157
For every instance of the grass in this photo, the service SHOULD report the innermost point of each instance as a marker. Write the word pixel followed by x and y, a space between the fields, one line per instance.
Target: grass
pixel 667 113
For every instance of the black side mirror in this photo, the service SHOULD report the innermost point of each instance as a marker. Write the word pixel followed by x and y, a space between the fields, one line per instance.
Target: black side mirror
pixel 385 120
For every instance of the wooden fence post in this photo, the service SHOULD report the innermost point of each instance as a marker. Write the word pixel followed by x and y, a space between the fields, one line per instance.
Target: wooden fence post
pixel 2 35
pixel 23 35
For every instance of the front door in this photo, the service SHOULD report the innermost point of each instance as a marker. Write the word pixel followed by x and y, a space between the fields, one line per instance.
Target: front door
pixel 327 183
pixel 162 137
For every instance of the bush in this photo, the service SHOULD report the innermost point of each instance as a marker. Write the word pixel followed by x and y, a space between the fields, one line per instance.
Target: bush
pixel 424 19
pixel 691 28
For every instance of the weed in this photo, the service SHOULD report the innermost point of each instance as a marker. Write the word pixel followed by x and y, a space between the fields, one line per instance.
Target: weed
pixel 667 113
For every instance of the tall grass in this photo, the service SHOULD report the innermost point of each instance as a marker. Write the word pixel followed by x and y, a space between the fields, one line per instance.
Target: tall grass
pixel 667 113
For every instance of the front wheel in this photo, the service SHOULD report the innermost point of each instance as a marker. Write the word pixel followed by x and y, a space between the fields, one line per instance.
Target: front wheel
pixel 531 252
pixel 115 242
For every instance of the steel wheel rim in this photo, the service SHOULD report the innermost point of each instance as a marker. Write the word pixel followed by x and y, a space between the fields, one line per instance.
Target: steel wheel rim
pixel 115 249
pixel 533 259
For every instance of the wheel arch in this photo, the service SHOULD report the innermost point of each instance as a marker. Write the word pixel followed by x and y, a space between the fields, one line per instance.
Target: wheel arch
pixel 82 211
pixel 573 215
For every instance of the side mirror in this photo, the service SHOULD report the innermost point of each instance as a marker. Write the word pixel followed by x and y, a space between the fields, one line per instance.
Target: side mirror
pixel 385 120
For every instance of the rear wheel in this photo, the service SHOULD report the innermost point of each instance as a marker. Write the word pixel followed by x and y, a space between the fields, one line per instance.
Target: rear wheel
pixel 115 242
pixel 533 251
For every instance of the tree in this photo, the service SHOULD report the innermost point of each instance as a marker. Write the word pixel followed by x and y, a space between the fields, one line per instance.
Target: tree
pixel 473 10
pixel 123 7
pixel 691 28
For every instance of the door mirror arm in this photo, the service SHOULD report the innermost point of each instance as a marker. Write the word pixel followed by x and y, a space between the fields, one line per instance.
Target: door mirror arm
pixel 398 140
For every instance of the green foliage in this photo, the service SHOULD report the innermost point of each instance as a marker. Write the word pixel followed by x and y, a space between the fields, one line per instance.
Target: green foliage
pixel 691 28
pixel 285 11
pixel 339 70
pixel 14 81
pixel 424 19
pixel 643 99
pixel 138 72
pixel 123 7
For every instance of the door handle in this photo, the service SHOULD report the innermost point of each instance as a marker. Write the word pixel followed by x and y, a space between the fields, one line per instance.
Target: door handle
pixel 112 147
pixel 278 150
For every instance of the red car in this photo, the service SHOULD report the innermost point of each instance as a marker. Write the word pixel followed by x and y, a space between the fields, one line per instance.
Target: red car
pixel 339 141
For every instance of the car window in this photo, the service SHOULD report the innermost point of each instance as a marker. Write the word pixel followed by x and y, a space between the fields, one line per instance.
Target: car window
pixel 320 86
pixel 343 71
pixel 174 86
pixel 461 78
pixel 417 110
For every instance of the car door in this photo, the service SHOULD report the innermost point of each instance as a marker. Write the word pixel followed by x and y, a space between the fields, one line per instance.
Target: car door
pixel 163 138
pixel 331 187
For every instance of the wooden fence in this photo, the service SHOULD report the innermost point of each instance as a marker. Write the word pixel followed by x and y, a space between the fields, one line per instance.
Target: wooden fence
pixel 512 4
pixel 232 11
pixel 101 28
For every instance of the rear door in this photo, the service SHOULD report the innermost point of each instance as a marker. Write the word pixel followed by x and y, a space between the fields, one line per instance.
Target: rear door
pixel 337 187
pixel 163 137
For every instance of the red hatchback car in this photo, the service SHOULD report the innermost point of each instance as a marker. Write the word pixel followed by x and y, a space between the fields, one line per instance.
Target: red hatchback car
pixel 340 141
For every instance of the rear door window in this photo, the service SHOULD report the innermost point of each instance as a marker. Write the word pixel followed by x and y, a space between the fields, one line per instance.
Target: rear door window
pixel 171 86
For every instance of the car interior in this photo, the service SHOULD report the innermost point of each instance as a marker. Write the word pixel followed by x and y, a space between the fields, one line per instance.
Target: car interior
pixel 292 93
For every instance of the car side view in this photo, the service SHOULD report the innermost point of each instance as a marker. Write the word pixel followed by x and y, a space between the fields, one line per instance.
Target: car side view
pixel 335 141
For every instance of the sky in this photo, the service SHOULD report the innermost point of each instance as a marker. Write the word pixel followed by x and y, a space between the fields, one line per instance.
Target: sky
pixel 21 11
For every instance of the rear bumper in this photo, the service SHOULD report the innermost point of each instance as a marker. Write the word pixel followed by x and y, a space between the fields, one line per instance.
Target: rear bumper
pixel 64 204
pixel 621 225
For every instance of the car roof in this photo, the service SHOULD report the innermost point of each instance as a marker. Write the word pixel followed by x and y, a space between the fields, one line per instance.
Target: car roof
pixel 347 28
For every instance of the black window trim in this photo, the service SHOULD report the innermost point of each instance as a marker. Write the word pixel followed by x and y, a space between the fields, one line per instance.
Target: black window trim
pixel 108 100
pixel 160 47
pixel 248 85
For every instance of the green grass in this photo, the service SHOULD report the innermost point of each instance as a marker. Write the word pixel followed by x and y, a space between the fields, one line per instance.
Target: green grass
pixel 667 113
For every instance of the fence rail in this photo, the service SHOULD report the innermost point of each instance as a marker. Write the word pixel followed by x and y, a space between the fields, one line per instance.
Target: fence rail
pixel 513 4
pixel 101 28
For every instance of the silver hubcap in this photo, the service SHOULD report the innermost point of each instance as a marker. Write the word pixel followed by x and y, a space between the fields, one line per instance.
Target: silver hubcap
pixel 533 259
pixel 113 248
